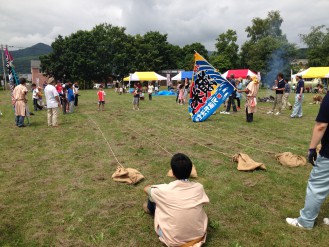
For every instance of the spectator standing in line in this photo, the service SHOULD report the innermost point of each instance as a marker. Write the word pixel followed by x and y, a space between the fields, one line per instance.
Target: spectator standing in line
pixel 70 98
pixel 238 94
pixel 150 90
pixel 101 97
pixel 53 102
pixel 318 183
pixel 76 93
pixel 186 89
pixel 137 92
pixel 35 97
pixel 19 94
pixel 278 95
pixel 231 98
pixel 285 98
pixel 297 112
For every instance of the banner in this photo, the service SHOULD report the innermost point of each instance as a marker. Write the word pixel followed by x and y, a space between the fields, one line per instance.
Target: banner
pixel 12 76
pixel 208 90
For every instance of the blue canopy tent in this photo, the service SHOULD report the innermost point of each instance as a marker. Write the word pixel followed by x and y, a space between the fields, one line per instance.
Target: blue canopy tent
pixel 182 75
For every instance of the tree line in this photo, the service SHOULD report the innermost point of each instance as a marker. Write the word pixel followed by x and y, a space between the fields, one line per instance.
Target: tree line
pixel 107 52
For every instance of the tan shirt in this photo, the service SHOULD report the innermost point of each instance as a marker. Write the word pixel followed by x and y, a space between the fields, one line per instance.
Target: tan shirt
pixel 251 97
pixel 19 94
pixel 179 212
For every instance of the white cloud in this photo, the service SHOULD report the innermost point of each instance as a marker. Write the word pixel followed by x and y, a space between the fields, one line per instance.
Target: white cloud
pixel 24 23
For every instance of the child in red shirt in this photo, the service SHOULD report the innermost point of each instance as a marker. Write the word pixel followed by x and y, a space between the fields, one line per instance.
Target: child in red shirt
pixel 101 97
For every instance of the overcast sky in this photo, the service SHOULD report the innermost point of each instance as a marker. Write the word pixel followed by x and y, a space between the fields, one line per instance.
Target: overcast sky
pixel 26 22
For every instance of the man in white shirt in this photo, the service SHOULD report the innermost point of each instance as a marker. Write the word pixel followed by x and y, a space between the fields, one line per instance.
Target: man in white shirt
pixel 53 102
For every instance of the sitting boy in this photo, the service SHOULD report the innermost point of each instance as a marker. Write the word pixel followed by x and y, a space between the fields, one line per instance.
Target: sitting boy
pixel 179 217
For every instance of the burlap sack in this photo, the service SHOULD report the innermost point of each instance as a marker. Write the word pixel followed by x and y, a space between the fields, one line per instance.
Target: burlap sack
pixel 245 163
pixel 290 160
pixel 127 175
pixel 194 174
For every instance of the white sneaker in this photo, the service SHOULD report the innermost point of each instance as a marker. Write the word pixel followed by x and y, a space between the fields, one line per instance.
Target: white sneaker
pixel 294 222
pixel 326 221
pixel 277 114
pixel 269 112
pixel 227 113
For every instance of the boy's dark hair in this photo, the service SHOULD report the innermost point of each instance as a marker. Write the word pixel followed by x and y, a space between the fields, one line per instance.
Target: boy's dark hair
pixel 181 166
pixel 280 75
pixel 101 86
pixel 33 85
pixel 22 81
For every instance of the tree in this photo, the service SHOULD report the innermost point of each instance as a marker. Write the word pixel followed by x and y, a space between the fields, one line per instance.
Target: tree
pixel 318 43
pixel 270 26
pixel 187 61
pixel 226 57
pixel 268 50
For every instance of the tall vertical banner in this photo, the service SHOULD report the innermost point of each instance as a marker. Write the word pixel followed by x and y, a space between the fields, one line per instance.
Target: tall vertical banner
pixel 13 79
pixel 208 90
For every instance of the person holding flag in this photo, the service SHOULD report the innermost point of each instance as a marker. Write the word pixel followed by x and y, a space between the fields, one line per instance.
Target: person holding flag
pixel 251 103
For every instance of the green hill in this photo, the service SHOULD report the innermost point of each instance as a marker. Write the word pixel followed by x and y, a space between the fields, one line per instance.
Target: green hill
pixel 23 57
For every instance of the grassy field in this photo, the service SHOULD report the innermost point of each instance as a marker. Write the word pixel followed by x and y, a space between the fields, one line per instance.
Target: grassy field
pixel 56 187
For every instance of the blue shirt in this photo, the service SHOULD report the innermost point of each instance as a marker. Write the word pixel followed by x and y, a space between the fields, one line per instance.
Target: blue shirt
pixel 281 84
pixel 300 85
pixel 70 95
pixel 323 117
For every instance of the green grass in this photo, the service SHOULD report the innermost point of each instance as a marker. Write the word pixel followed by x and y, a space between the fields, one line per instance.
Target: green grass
pixel 56 187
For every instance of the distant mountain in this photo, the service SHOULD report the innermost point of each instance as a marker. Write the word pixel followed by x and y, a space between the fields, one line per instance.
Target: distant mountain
pixel 23 57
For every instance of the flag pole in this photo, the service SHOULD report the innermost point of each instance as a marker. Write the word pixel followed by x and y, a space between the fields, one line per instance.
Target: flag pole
pixel 4 69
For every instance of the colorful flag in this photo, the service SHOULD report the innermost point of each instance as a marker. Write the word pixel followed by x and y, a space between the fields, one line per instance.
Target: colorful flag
pixel 208 90
pixel 12 76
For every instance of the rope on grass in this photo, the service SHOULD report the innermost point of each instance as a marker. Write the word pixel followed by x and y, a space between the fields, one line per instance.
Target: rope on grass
pixel 151 141
pixel 214 150
pixel 106 142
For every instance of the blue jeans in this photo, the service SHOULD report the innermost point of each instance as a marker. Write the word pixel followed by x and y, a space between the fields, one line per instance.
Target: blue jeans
pixel 297 111
pixel 316 192
pixel 151 206
pixel 19 121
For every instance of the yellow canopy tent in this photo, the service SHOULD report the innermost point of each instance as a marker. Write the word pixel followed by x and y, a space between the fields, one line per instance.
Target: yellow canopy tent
pixel 315 72
pixel 145 76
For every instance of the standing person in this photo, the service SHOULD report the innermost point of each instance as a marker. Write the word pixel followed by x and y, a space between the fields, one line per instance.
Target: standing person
pixel 156 87
pixel 63 99
pixel 278 95
pixel 248 80
pixel 76 93
pixel 231 98
pixel 238 94
pixel 177 91
pixel 70 98
pixel 285 98
pixel 179 217
pixel 35 97
pixel 181 94
pixel 136 94
pixel 101 97
pixel 150 90
pixel 251 103
pixel 186 89
pixel 318 182
pixel 297 111
pixel 53 102
pixel 19 95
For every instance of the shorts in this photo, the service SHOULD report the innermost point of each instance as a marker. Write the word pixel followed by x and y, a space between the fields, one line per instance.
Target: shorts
pixel 136 101
pixel 101 102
